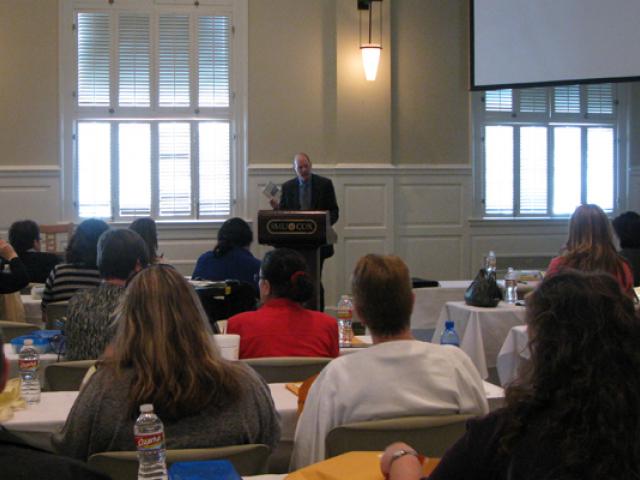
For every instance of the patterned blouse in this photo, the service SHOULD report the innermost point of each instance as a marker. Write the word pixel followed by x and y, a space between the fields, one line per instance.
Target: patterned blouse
pixel 89 327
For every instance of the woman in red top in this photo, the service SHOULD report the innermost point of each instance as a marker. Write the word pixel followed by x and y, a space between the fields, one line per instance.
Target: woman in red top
pixel 590 247
pixel 282 327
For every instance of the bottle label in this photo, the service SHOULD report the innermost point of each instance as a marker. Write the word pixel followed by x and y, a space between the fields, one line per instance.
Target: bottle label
pixel 30 364
pixel 149 441
pixel 345 314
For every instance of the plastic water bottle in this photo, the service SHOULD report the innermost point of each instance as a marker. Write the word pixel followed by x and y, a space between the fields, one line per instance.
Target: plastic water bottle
pixel 449 335
pixel 149 435
pixel 511 286
pixel 28 362
pixel 490 262
pixel 345 321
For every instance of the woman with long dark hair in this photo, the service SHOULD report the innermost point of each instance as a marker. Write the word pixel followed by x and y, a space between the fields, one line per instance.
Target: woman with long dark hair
pixel 231 258
pixel 146 228
pixel 282 327
pixel 573 413
pixel 163 353
pixel 590 247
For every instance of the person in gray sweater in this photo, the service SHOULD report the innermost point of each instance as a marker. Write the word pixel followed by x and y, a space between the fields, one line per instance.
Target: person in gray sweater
pixel 163 354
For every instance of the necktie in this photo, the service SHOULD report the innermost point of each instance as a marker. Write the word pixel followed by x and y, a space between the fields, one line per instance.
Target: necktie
pixel 305 196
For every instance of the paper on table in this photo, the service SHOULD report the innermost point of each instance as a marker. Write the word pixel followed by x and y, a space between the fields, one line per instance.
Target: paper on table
pixel 10 399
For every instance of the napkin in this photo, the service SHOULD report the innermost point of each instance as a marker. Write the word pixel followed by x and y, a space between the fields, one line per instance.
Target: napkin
pixel 10 399
pixel 352 465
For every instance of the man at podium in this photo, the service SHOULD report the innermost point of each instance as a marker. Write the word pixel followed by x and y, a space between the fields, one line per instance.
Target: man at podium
pixel 309 191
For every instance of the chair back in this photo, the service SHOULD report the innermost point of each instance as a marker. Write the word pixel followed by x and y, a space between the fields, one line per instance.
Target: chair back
pixel 229 345
pixel 55 311
pixel 13 309
pixel 11 330
pixel 66 376
pixel 247 460
pixel 56 237
pixel 429 435
pixel 287 369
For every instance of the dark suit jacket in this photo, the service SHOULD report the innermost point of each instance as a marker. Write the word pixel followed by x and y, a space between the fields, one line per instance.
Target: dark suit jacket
pixel 323 197
pixel 21 461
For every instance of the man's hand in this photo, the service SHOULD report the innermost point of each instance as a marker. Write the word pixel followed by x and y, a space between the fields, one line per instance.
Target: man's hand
pixel 274 203
pixel 6 251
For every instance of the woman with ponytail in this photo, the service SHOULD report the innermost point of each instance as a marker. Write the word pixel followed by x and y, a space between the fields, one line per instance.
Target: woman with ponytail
pixel 282 327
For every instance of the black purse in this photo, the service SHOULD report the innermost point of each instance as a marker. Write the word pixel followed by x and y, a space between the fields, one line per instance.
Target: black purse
pixel 483 291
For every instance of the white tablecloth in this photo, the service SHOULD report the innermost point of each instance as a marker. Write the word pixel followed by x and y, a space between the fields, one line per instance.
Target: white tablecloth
pixel 513 353
pixel 482 331
pixel 32 309
pixel 12 358
pixel 50 414
pixel 429 302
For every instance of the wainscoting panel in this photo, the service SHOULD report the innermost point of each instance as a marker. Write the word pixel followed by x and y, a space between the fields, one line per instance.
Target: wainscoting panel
pixel 32 193
pixel 435 258
pixel 430 205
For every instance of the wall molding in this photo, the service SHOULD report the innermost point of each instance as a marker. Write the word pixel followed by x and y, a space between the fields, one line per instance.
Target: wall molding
pixel 30 171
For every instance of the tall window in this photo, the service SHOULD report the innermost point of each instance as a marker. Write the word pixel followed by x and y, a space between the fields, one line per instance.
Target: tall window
pixel 153 121
pixel 545 151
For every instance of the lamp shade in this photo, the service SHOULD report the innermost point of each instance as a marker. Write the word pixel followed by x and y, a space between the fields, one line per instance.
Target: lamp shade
pixel 370 60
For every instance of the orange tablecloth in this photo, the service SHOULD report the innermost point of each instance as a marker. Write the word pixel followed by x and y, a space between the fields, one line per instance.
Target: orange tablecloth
pixel 352 465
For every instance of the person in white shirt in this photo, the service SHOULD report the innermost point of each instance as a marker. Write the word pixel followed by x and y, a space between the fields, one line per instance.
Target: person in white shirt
pixel 398 376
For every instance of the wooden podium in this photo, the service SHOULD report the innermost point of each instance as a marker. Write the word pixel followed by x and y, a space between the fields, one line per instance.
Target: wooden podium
pixel 302 230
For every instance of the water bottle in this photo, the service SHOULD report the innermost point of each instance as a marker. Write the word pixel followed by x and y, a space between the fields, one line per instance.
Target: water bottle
pixel 345 319
pixel 28 362
pixel 490 262
pixel 149 435
pixel 449 335
pixel 511 286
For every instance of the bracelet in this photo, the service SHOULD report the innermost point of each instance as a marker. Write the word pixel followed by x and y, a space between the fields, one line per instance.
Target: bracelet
pixel 402 452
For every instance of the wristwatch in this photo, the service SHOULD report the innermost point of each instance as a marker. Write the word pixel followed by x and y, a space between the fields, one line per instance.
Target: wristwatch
pixel 402 452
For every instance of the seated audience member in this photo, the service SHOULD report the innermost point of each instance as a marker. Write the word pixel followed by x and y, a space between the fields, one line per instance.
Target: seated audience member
pixel 16 278
pixel 79 271
pixel 573 414
pixel 231 258
pixel 164 354
pixel 90 327
pixel 627 227
pixel 396 377
pixel 590 247
pixel 282 327
pixel 24 236
pixel 146 228
pixel 18 460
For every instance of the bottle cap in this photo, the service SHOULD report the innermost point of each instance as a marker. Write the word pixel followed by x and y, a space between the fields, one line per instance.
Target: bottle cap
pixel 146 408
pixel 28 342
pixel 448 324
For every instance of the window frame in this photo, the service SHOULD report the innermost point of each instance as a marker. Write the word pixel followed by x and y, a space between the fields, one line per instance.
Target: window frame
pixel 70 114
pixel 481 119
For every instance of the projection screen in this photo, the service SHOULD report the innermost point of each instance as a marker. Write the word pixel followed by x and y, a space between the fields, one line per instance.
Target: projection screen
pixel 543 42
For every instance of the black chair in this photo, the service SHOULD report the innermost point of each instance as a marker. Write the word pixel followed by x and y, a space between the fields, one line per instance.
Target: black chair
pixel 222 300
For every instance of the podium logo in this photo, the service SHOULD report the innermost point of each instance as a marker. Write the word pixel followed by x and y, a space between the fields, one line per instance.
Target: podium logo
pixel 292 227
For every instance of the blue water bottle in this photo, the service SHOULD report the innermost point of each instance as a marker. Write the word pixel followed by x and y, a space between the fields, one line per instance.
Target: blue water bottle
pixel 449 335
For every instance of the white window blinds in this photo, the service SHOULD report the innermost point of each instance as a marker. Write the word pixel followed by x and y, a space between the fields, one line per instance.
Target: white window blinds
pixel 134 46
pixel 173 60
pixel 153 110
pixel 215 178
pixel 213 61
pixel 547 150
pixel 175 168
pixel 94 59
